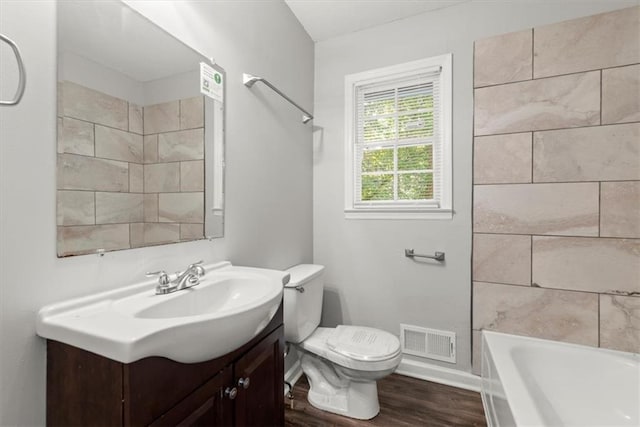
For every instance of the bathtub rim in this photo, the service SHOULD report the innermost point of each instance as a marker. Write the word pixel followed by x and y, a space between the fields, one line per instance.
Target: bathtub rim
pixel 521 404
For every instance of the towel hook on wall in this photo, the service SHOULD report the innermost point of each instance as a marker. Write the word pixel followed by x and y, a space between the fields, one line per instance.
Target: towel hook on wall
pixel 22 73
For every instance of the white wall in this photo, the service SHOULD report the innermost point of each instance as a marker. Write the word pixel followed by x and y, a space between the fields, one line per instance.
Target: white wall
pixel 268 187
pixel 369 281
pixel 96 76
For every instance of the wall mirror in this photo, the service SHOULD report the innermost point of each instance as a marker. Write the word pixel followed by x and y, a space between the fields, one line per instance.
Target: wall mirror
pixel 140 149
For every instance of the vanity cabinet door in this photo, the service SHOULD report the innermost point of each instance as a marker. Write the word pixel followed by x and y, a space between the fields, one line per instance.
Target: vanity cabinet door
pixel 259 378
pixel 207 406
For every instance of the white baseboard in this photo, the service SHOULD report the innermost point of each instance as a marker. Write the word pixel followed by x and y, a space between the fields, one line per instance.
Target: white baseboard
pixel 439 374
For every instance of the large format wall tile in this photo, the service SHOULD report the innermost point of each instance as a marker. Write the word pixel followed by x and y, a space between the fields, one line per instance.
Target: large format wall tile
pixel 113 208
pixel 502 159
pixel 491 64
pixel 88 238
pixel 181 207
pixel 92 106
pixel 578 175
pixel 191 231
pixel 135 119
pixel 587 264
pixel 136 178
pixel 553 103
pixel 620 209
pixel 599 153
pixel 75 208
pixel 162 177
pixel 192 113
pixel 621 95
pixel 118 145
pixel 555 209
pixel 183 145
pixel 502 258
pixel 620 323
pixel 192 176
pixel 150 143
pixel 75 137
pixel 150 208
pixel 88 173
pixel 162 117
pixel 156 233
pixel 542 313
pixel 590 43
pixel 136 234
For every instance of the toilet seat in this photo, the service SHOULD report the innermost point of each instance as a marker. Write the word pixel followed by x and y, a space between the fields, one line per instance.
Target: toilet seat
pixel 355 347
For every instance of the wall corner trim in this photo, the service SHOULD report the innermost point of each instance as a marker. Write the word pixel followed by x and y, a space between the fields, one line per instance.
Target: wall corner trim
pixel 439 374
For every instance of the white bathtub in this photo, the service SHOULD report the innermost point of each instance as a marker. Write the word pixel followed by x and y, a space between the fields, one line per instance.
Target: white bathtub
pixel 534 382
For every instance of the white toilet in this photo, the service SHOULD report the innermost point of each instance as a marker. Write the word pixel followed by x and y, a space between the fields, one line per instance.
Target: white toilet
pixel 342 364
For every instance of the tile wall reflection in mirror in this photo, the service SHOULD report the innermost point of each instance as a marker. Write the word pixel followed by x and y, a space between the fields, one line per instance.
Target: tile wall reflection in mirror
pixel 139 148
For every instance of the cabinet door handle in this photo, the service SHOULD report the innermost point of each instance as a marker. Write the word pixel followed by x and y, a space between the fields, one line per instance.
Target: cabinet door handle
pixel 244 382
pixel 231 393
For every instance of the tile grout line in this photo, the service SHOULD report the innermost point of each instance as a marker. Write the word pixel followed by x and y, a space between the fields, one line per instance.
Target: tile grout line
pixel 564 236
pixel 599 209
pixel 600 97
pixel 544 288
pixel 531 262
pixel 127 161
pixel 599 319
pixel 127 131
pixel 490 184
pixel 533 52
pixel 514 132
pixel 573 73
pixel 532 164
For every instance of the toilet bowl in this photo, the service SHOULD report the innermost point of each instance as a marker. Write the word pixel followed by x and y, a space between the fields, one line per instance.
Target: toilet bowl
pixel 343 363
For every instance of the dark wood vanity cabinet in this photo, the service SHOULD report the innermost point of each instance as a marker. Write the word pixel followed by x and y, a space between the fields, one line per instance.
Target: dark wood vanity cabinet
pixel 84 389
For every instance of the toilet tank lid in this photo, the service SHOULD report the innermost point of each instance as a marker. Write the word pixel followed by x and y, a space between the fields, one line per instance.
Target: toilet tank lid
pixel 302 273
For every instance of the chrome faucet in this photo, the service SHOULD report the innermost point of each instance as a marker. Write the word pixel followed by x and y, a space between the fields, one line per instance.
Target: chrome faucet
pixel 188 278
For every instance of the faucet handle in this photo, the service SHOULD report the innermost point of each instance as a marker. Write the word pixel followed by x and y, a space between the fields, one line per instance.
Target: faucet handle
pixel 197 266
pixel 163 277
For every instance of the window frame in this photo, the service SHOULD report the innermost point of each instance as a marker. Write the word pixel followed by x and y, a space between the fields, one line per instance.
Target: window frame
pixel 441 209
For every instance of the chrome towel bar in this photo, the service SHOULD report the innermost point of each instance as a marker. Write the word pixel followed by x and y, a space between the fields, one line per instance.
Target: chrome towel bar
pixel 22 79
pixel 249 80
pixel 438 256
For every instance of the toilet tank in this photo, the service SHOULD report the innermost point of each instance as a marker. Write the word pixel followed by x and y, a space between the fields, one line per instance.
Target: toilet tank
pixel 302 310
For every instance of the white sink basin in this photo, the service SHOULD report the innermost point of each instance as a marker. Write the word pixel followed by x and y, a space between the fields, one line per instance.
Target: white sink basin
pixel 229 307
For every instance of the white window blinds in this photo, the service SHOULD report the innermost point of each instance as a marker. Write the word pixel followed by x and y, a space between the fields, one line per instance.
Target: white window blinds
pixel 397 150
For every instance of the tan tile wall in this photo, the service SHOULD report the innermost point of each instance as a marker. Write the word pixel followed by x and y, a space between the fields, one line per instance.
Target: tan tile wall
pixel 128 176
pixel 556 215
pixel 173 172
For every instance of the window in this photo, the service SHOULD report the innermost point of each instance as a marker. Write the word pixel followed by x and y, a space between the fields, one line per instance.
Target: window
pixel 398 148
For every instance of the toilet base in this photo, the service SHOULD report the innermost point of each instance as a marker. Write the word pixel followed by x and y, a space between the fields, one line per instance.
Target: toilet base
pixel 330 392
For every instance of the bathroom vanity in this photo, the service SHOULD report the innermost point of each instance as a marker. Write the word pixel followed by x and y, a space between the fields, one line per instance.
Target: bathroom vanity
pixel 243 387
pixel 208 354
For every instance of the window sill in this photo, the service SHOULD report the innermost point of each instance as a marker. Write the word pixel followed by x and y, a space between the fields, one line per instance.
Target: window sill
pixel 428 214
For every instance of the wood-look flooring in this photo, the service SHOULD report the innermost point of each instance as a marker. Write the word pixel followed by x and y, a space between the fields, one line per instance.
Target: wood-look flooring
pixel 404 401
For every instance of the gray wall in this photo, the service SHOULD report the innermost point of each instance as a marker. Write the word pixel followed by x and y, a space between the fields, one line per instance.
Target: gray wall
pixel 269 173
pixel 368 279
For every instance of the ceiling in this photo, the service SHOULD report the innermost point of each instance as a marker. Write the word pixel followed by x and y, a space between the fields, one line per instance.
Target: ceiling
pixel 324 19
pixel 113 35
